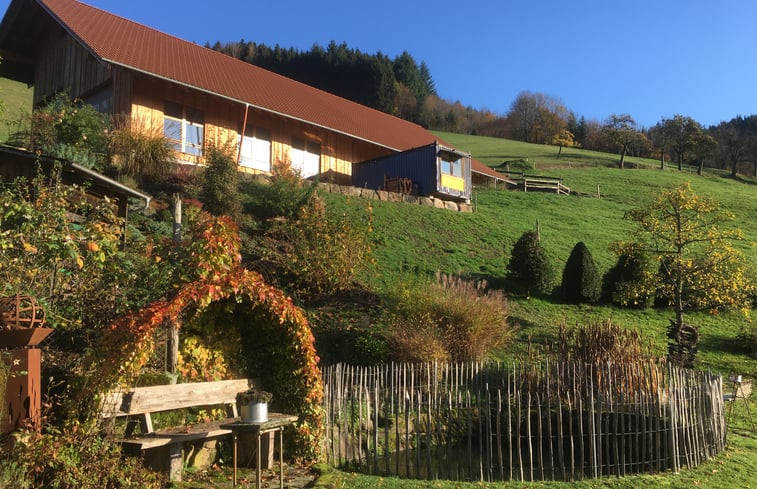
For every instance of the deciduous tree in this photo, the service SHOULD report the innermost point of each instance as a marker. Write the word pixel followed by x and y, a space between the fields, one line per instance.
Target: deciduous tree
pixel 702 268
pixel 563 138
pixel 621 129
pixel 682 134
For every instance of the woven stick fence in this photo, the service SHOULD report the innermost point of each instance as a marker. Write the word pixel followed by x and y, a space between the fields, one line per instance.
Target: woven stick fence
pixel 545 421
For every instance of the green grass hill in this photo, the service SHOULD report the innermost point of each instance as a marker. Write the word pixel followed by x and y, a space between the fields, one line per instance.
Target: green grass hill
pixel 411 241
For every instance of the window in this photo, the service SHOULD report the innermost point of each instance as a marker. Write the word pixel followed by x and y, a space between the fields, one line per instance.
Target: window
pixel 256 149
pixel 184 127
pixel 452 167
pixel 306 157
pixel 102 101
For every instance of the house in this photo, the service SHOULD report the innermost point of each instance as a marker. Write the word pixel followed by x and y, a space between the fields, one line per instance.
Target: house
pixel 198 97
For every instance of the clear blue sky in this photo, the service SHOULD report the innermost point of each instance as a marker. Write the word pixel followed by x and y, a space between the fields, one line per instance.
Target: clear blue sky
pixel 648 58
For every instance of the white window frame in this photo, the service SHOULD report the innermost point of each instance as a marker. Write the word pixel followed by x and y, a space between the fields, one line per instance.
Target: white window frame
pixel 255 152
pixel 186 126
pixel 305 157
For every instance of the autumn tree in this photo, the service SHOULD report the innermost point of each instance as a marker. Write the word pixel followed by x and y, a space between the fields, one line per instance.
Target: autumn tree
pixel 536 117
pixel 702 269
pixel 563 138
pixel 621 129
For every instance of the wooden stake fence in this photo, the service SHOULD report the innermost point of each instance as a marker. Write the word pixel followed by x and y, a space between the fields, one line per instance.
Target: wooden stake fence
pixel 546 421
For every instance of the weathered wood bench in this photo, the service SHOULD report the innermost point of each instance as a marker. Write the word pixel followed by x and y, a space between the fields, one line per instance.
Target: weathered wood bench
pixel 163 449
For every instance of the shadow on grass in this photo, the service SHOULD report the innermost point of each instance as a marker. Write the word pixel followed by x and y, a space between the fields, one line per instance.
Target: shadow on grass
pixel 713 342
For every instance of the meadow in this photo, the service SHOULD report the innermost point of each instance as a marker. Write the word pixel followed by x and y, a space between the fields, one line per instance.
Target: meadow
pixel 411 241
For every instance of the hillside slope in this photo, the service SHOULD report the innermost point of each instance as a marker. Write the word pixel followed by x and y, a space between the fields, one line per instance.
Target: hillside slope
pixel 411 241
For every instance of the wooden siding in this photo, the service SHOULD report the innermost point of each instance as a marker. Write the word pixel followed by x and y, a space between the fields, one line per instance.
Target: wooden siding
pixel 224 119
pixel 63 64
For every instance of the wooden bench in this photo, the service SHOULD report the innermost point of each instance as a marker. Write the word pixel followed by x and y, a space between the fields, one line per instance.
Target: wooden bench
pixel 163 449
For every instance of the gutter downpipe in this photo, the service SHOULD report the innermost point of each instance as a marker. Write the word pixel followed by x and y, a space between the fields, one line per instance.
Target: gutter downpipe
pixel 244 130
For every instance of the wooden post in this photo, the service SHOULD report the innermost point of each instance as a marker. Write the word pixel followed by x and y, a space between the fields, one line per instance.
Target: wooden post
pixel 172 349
pixel 176 218
pixel 172 327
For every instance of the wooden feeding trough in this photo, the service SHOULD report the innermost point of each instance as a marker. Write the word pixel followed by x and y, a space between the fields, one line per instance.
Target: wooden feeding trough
pixel 21 331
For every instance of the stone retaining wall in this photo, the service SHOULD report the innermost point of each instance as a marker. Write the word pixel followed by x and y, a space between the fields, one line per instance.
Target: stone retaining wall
pixel 367 193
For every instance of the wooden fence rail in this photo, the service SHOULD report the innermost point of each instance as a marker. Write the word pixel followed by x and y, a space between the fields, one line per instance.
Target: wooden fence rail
pixel 547 421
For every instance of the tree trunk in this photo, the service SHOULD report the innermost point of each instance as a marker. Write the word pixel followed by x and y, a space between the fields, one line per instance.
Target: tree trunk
pixel 701 167
pixel 622 158
pixel 662 160
pixel 559 152
pixel 734 164
pixel 680 163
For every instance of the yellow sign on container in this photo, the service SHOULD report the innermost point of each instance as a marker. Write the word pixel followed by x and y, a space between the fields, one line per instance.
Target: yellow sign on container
pixel 455 183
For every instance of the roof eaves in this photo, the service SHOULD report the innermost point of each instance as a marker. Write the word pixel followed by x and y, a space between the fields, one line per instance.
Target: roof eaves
pixel 108 181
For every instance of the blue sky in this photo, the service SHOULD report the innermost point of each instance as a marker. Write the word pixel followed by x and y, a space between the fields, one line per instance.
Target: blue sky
pixel 648 58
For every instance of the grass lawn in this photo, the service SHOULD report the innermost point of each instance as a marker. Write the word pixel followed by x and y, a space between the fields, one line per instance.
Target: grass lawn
pixel 17 98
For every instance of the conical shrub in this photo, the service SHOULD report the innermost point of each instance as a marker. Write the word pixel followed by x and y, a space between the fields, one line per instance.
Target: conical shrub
pixel 626 283
pixel 581 281
pixel 529 267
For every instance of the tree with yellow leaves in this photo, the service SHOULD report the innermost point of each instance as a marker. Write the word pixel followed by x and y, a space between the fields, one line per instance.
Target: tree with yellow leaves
pixel 700 268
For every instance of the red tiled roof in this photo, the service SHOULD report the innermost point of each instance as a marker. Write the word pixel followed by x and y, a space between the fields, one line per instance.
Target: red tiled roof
pixel 126 43
pixel 123 42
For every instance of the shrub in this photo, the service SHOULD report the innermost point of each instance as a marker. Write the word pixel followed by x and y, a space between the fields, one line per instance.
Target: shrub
pixel 621 285
pixel 449 319
pixel 580 278
pixel 518 165
pixel 319 251
pixel 73 459
pixel 219 194
pixel 602 342
pixel 529 266
pixel 284 195
pixel 748 338
pixel 140 151
pixel 67 129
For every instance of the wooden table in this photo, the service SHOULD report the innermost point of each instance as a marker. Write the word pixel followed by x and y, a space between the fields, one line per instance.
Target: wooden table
pixel 276 422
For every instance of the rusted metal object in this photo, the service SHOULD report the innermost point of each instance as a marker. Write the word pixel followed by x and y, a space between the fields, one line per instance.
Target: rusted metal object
pixel 20 311
pixel 20 330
